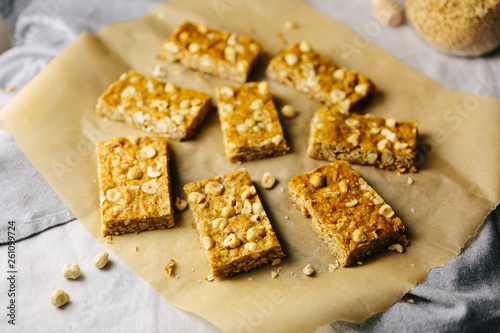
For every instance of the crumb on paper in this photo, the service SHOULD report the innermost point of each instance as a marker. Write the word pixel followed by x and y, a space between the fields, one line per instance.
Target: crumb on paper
pixel 10 88
pixel 109 239
pixel 276 273
pixel 209 277
pixel 136 249
pixel 397 247
pixel 170 267
pixel 333 267
pixel 286 217
pixel 360 263
pixel 410 181
pixel 276 262
pixel 411 300
pixel 412 210
pixel 252 30
pixel 280 37
pixel 289 25
pixel 178 276
pixel 159 71
pixel 308 270
pixel 180 204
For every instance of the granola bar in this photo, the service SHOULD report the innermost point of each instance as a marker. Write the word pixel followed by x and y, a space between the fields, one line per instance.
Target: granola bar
pixel 346 212
pixel 153 106
pixel 250 122
pixel 219 53
pixel 233 228
pixel 363 139
pixel 134 185
pixel 319 77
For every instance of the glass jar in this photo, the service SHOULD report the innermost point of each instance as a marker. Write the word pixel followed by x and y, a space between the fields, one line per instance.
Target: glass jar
pixel 458 27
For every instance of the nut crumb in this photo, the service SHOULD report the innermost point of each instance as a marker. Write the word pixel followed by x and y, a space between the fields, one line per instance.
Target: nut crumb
pixel 71 271
pixel 209 277
pixel 410 181
pixel 411 300
pixel 178 276
pixel 308 270
pixel 412 210
pixel 289 111
pixel 180 204
pixel 170 267
pixel 289 25
pixel 58 298
pixel 10 88
pixel 359 263
pixel 136 249
pixel 274 274
pixel 276 262
pixel 101 259
pixel 280 37
pixel 352 203
pixel 397 247
pixel 387 12
pixel 333 267
pixel 286 217
pixel 268 180
pixel 159 71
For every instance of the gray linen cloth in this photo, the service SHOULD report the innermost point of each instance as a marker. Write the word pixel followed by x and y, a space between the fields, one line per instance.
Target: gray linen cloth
pixel 41 29
pixel 462 296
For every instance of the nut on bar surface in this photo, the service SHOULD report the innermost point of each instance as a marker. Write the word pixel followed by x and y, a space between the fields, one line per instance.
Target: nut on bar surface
pixel 134 185
pixel 233 228
pixel 319 77
pixel 363 139
pixel 153 106
pixel 207 50
pixel 346 212
pixel 250 124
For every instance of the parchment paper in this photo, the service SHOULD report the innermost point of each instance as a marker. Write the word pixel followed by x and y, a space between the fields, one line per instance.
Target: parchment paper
pixel 53 121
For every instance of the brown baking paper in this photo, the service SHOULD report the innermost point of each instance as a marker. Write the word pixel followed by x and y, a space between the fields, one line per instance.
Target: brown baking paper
pixel 53 121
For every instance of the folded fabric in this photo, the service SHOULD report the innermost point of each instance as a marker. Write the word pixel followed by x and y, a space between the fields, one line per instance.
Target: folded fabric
pixel 42 29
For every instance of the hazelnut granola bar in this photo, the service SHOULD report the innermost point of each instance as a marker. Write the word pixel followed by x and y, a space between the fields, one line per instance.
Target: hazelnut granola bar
pixel 233 228
pixel 219 53
pixel 363 139
pixel 317 76
pixel 346 212
pixel 134 185
pixel 153 106
pixel 250 124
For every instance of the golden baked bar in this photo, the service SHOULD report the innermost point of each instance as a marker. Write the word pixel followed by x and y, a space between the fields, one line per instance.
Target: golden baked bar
pixel 134 185
pixel 154 106
pixel 319 77
pixel 219 53
pixel 233 228
pixel 363 139
pixel 250 124
pixel 346 212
